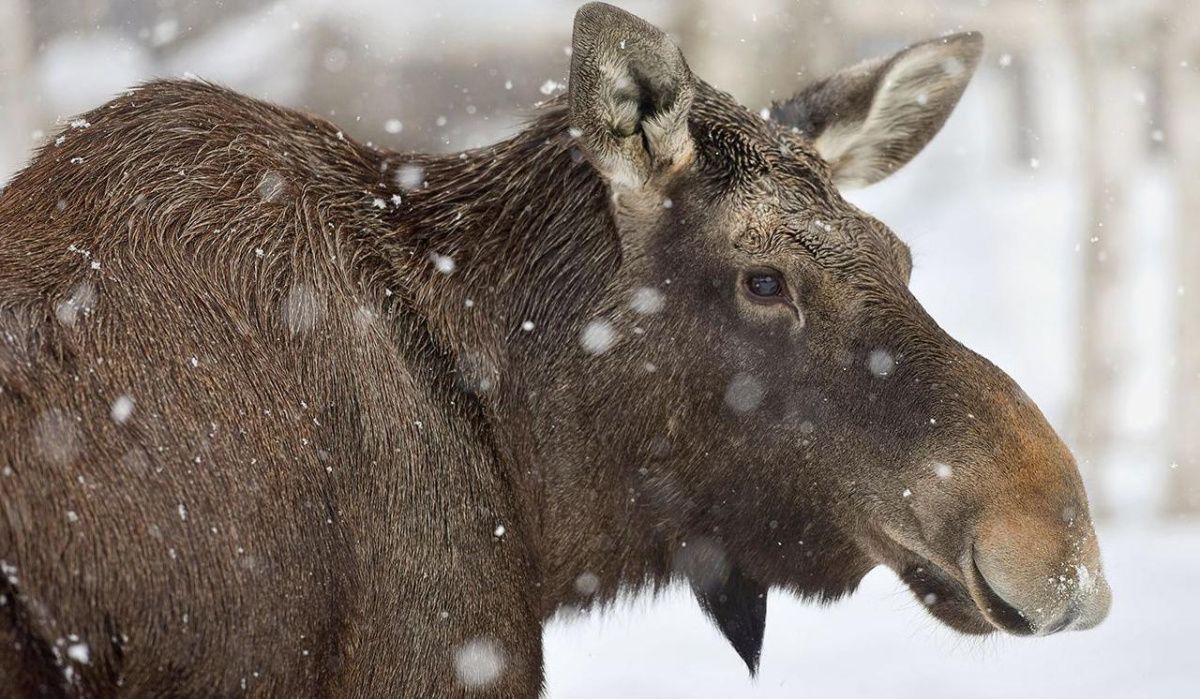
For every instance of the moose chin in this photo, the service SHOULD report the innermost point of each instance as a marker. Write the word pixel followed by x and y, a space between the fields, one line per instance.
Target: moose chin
pixel 289 414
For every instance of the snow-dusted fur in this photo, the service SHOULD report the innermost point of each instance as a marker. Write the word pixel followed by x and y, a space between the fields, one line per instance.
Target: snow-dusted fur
pixel 286 414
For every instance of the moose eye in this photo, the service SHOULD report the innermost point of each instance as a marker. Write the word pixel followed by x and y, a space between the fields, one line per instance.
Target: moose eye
pixel 764 284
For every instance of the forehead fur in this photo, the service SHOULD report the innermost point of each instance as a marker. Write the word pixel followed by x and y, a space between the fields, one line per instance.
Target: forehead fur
pixel 743 151
pixel 780 189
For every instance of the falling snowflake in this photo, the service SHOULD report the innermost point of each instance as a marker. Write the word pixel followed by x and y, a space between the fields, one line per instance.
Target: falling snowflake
pixel 79 302
pixel 702 562
pixel 410 176
pixel 122 408
pixel 744 393
pixel 79 652
pixel 587 584
pixel 301 309
pixel 881 363
pixel 442 263
pixel 57 437
pixel 271 186
pixel 646 300
pixel 598 336
pixel 478 663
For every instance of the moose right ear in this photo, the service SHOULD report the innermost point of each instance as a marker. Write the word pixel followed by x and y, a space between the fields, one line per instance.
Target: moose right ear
pixel 630 93
pixel 868 120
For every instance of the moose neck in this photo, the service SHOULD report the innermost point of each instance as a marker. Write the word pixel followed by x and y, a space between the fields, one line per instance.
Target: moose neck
pixel 527 226
pixel 499 249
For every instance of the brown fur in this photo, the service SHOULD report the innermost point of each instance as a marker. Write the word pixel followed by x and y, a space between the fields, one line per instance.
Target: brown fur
pixel 344 466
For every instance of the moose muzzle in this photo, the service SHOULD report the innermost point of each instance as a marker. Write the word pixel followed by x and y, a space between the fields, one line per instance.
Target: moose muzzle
pixel 1037 574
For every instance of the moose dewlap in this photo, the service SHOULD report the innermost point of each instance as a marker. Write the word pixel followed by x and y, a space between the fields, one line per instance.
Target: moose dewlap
pixel 288 414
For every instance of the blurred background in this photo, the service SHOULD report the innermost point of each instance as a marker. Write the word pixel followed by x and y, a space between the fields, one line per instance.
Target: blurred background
pixel 1054 225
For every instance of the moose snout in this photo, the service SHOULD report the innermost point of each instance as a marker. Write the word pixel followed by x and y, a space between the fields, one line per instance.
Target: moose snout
pixel 1038 575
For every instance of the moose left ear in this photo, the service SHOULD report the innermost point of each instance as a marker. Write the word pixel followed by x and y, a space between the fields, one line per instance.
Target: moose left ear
pixel 868 120
pixel 630 93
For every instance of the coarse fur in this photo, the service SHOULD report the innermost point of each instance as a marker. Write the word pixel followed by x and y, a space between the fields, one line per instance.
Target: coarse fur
pixel 290 415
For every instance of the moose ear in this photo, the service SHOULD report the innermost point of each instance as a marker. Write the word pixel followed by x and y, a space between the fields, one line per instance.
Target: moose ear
pixel 630 93
pixel 868 120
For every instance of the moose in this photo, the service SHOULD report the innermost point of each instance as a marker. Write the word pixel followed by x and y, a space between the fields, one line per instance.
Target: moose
pixel 287 414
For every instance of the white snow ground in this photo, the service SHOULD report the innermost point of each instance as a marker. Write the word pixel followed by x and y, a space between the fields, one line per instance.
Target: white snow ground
pixel 880 643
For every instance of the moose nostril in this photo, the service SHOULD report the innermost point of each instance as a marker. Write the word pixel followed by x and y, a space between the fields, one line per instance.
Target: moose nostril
pixel 1000 610
pixel 1022 600
pixel 1068 618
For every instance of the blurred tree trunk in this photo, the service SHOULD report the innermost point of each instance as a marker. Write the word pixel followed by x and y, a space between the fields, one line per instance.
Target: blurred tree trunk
pixel 16 50
pixel 1111 146
pixel 1024 115
pixel 762 50
pixel 1182 84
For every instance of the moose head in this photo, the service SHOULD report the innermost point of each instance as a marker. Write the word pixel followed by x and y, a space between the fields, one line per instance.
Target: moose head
pixel 783 411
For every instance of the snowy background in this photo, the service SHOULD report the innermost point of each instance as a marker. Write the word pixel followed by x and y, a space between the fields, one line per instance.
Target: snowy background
pixel 1060 185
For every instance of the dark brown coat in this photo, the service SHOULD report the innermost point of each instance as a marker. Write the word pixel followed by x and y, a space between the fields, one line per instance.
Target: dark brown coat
pixel 287 414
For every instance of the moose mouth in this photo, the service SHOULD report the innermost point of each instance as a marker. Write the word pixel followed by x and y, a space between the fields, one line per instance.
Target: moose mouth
pixel 969 606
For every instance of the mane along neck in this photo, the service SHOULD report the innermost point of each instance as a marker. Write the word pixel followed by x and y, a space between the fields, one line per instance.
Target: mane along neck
pixel 525 226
